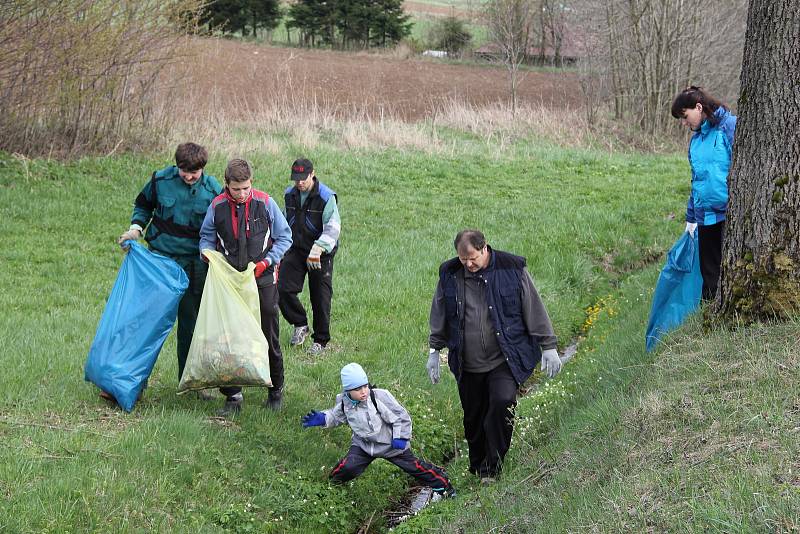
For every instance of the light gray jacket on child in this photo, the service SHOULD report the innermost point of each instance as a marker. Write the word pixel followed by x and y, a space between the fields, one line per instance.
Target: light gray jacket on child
pixel 374 422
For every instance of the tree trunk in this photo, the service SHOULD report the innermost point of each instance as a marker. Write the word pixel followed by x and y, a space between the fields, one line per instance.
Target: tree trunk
pixel 760 275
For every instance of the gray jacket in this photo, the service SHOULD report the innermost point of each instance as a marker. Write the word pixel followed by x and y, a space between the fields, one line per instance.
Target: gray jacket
pixel 373 426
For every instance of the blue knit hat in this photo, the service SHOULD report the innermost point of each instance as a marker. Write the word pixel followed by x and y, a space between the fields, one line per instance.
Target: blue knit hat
pixel 353 377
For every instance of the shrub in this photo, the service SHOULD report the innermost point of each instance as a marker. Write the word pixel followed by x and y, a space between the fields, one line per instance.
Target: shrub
pixel 450 34
pixel 80 76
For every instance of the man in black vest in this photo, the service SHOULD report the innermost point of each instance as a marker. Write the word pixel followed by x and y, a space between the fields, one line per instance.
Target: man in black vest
pixel 313 215
pixel 488 314
pixel 246 225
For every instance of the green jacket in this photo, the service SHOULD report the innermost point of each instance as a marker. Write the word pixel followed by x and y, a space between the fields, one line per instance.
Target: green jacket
pixel 172 213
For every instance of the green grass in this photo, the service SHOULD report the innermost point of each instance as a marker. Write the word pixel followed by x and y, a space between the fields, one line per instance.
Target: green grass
pixel 699 437
pixel 584 219
pixel 424 24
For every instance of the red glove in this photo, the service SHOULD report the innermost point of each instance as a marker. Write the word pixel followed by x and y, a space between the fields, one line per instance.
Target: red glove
pixel 261 267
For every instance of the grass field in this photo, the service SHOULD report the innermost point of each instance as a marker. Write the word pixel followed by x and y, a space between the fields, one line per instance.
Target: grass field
pixel 592 225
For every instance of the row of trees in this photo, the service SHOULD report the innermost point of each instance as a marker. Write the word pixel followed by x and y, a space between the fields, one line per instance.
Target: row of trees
pixel 634 54
pixel 345 24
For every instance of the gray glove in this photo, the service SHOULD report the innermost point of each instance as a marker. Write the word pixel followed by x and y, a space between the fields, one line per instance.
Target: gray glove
pixel 433 366
pixel 313 260
pixel 133 234
pixel 551 363
pixel 690 227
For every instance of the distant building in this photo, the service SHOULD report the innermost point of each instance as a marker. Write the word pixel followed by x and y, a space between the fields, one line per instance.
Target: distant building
pixel 435 53
pixel 571 50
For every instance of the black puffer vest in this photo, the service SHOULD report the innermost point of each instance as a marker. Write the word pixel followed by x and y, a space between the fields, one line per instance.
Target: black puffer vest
pixel 250 217
pixel 306 220
pixel 503 295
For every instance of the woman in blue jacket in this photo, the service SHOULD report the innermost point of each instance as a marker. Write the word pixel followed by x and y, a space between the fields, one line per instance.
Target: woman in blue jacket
pixel 710 150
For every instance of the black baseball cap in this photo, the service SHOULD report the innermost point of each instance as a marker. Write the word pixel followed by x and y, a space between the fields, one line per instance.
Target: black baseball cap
pixel 301 168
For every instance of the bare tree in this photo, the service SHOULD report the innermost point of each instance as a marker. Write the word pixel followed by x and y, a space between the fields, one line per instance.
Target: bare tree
pixel 80 75
pixel 655 48
pixel 552 28
pixel 510 24
pixel 760 275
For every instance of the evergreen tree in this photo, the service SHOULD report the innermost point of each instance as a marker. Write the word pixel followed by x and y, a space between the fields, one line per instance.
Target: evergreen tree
pixel 226 16
pixel 313 18
pixel 263 14
pixel 390 23
pixel 349 23
pixel 245 16
pixel 450 34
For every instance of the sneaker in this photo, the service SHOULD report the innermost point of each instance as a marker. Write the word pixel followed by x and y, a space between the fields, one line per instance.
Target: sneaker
pixel 316 349
pixel 232 406
pixel 443 493
pixel 299 335
pixel 274 399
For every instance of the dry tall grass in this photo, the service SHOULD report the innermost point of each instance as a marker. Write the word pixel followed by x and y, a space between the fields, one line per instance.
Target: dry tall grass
pixel 286 119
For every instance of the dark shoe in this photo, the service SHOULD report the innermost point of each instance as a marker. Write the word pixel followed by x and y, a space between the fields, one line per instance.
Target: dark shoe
pixel 299 335
pixel 274 399
pixel 232 406
pixel 316 349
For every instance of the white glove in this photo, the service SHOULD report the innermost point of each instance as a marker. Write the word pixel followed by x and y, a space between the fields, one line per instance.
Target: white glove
pixel 690 228
pixel 313 261
pixel 551 363
pixel 133 234
pixel 433 366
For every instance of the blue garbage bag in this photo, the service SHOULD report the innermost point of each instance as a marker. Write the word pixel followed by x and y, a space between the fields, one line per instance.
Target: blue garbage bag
pixel 137 318
pixel 678 290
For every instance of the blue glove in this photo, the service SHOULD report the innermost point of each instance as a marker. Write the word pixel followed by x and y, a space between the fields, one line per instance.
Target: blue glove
pixel 313 418
pixel 398 443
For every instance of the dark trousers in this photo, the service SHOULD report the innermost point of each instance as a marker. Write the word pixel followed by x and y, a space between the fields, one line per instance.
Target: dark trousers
pixel 291 278
pixel 268 301
pixel 357 460
pixel 188 308
pixel 710 240
pixel 488 400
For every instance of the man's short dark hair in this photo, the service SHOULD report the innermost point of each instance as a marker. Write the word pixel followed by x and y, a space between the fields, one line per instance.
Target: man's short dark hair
pixel 238 170
pixel 191 157
pixel 471 237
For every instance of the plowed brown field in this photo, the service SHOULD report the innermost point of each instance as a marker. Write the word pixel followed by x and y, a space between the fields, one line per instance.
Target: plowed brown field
pixel 240 79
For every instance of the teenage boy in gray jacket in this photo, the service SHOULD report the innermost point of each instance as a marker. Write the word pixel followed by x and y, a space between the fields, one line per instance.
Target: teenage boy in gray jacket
pixel 381 429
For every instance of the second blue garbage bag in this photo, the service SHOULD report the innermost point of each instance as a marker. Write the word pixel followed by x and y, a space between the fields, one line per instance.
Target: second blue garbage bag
pixel 137 318
pixel 678 290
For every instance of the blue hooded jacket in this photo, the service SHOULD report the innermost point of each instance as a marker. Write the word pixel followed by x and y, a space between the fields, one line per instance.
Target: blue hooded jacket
pixel 710 151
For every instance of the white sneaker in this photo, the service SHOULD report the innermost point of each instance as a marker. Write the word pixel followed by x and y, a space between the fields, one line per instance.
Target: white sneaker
pixel 299 335
pixel 316 349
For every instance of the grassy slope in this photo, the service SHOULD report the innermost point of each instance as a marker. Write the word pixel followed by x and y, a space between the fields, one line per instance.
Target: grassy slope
pixel 701 436
pixel 68 461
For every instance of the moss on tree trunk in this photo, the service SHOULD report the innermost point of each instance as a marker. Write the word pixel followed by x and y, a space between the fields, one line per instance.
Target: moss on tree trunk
pixel 760 275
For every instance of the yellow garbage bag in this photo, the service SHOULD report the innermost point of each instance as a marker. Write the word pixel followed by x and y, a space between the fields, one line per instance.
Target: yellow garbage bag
pixel 228 347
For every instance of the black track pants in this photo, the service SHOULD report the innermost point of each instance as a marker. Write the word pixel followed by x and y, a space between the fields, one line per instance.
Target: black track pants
pixel 357 459
pixel 291 278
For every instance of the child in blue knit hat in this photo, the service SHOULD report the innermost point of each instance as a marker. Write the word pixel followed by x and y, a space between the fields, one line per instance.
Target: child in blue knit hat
pixel 381 429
